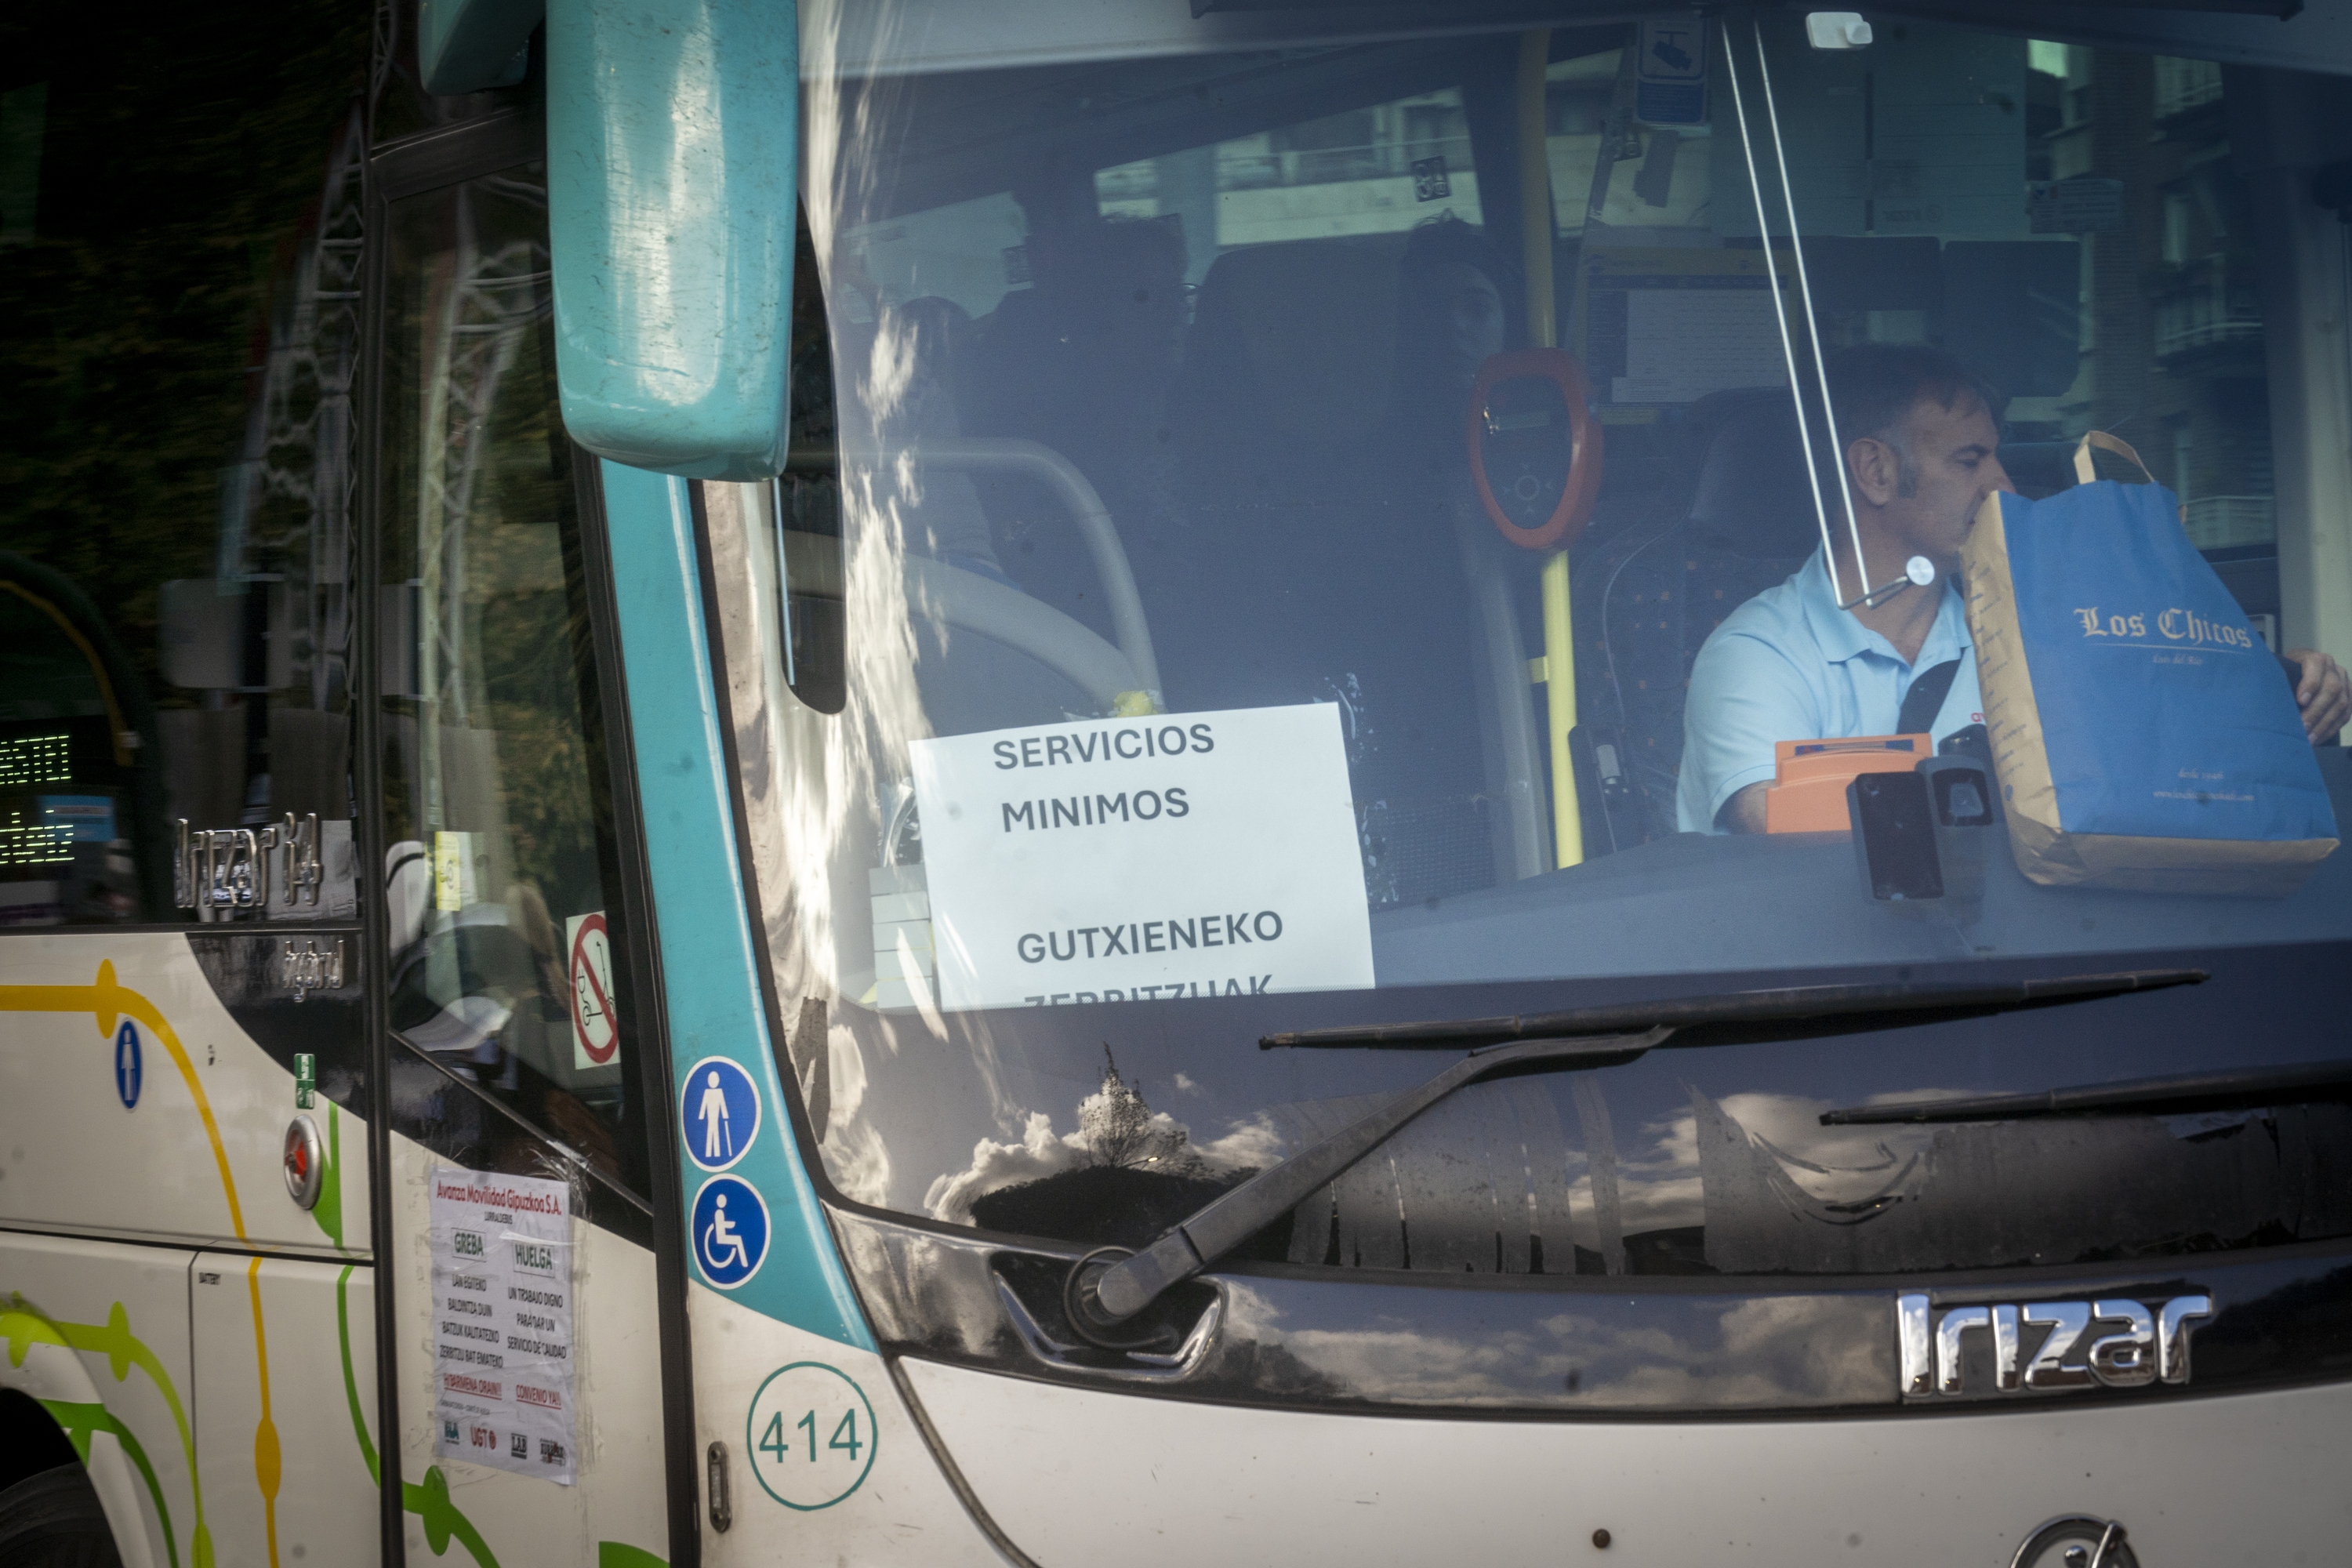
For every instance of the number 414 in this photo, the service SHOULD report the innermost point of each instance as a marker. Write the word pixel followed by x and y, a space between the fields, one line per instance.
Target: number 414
pixel 845 1436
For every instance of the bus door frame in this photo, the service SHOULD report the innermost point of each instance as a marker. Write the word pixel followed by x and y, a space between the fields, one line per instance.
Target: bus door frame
pixel 416 166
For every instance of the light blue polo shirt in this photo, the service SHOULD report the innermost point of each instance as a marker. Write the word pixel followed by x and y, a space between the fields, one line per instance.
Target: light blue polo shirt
pixel 1789 665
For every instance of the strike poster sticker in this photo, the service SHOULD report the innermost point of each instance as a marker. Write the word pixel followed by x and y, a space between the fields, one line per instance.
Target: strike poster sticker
pixel 502 1345
pixel 1194 855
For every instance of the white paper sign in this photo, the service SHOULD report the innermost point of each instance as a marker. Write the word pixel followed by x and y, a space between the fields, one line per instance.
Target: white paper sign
pixel 1182 854
pixel 503 1393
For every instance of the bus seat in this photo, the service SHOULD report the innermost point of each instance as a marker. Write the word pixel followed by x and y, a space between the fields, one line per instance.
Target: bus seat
pixel 1649 598
pixel 1080 362
pixel 1295 345
pixel 1288 384
pixel 1349 575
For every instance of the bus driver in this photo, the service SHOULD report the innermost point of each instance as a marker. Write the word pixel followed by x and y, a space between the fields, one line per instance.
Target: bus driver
pixel 1920 454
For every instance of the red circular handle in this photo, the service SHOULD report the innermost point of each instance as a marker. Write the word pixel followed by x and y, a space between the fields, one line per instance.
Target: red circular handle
pixel 1576 498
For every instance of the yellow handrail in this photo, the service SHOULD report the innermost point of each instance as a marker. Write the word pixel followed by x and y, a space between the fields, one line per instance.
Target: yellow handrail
pixel 1559 662
pixel 1559 690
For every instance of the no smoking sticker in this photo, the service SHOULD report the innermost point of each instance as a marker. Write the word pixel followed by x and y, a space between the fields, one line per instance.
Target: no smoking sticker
pixel 595 1037
pixel 810 1436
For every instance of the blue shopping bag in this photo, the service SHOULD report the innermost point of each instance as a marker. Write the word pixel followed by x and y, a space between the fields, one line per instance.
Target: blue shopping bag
pixel 2143 733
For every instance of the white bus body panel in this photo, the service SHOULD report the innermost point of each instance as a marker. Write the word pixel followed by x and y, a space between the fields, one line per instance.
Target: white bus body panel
pixel 903 1512
pixel 322 1502
pixel 79 1160
pixel 76 1159
pixel 186 1152
pixel 1075 1477
pixel 122 1315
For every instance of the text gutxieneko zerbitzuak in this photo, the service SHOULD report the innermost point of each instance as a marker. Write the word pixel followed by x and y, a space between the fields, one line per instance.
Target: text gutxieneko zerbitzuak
pixel 1137 938
pixel 1259 985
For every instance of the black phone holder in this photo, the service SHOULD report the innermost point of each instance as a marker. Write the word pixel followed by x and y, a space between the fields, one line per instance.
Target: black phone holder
pixel 1920 838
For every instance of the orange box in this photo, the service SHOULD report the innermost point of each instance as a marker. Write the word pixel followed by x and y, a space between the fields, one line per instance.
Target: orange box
pixel 1808 790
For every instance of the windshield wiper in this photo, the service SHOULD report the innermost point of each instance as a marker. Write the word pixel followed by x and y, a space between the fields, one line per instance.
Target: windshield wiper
pixel 1793 1004
pixel 2232 1087
pixel 1102 1292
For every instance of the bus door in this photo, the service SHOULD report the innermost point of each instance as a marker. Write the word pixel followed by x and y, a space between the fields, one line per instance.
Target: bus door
pixel 326 1215
pixel 521 1200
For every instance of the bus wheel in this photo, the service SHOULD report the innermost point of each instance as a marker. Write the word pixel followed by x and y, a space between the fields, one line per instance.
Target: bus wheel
pixel 53 1521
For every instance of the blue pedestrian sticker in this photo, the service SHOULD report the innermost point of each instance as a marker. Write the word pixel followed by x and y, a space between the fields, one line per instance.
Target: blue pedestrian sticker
pixel 729 1224
pixel 128 1069
pixel 719 1110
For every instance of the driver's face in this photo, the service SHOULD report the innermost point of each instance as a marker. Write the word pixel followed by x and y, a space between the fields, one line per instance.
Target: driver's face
pixel 1956 461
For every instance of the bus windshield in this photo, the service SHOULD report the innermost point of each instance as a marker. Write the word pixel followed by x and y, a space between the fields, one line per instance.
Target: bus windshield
pixel 1151 650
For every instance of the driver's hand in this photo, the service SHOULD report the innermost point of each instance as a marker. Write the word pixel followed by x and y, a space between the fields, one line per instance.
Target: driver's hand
pixel 2323 694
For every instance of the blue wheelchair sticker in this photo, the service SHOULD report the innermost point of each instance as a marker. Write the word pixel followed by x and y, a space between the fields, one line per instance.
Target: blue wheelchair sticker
pixel 128 1069
pixel 719 1110
pixel 729 1224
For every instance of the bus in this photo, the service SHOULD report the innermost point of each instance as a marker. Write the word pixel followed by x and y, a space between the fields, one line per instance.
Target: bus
pixel 899 781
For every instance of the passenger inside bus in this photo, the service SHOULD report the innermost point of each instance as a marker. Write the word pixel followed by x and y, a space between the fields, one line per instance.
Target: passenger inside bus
pixel 1921 455
pixel 1454 289
pixel 1329 522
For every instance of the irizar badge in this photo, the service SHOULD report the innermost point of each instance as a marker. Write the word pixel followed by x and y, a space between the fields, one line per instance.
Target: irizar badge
pixel 2043 1347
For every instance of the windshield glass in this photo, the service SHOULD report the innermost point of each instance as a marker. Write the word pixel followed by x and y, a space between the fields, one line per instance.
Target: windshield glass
pixel 1202 605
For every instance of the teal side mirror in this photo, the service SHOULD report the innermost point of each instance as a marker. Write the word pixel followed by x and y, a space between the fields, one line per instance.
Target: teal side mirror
pixel 468 46
pixel 672 153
